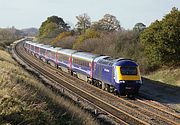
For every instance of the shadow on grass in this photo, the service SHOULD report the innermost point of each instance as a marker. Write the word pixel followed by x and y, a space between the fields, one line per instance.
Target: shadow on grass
pixel 161 92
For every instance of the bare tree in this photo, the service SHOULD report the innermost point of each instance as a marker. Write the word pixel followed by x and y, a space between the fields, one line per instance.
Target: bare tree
pixel 108 23
pixel 84 22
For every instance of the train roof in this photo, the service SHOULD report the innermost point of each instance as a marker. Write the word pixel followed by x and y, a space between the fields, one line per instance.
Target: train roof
pixel 85 56
pixel 54 49
pixel 44 46
pixel 125 62
pixel 106 60
pixel 27 41
pixel 67 51
pixel 100 58
pixel 38 45
pixel 32 43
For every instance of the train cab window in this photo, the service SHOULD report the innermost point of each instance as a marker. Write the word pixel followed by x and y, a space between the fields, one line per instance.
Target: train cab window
pixel 128 70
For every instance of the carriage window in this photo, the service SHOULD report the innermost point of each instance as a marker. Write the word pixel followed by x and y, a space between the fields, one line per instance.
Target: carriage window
pixel 63 57
pixel 42 51
pixel 81 62
pixel 128 70
pixel 36 49
pixel 48 53
pixel 52 55
pixel 32 47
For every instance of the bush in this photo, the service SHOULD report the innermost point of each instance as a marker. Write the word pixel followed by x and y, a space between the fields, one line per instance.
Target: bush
pixel 66 42
pixel 90 33
pixel 60 37
pixel 89 45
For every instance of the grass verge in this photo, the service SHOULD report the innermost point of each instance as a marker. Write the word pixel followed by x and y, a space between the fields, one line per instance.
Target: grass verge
pixel 169 76
pixel 24 100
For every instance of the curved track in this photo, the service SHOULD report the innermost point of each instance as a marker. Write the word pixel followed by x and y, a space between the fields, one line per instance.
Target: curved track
pixel 124 111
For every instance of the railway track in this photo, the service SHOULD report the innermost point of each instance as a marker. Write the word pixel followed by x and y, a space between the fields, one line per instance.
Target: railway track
pixel 123 110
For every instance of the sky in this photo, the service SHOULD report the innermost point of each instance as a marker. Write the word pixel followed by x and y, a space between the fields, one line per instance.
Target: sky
pixel 31 13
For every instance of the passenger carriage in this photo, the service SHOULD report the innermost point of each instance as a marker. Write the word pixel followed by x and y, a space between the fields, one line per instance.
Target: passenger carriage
pixel 27 45
pixel 64 59
pixel 82 65
pixel 43 51
pixel 51 55
pixel 37 50
pixel 32 48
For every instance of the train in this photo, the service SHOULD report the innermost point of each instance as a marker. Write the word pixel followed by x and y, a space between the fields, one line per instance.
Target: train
pixel 119 76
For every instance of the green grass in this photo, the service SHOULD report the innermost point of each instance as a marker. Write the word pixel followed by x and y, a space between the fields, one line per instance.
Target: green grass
pixel 168 76
pixel 25 100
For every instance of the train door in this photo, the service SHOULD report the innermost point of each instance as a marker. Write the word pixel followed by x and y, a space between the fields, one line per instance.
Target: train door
pixel 99 71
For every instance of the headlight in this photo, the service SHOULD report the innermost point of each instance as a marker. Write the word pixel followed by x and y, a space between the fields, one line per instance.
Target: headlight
pixel 122 81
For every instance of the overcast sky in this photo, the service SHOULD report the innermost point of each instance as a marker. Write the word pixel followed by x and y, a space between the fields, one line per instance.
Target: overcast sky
pixel 31 13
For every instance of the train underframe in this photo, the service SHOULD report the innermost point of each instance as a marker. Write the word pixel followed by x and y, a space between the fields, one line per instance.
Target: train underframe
pixel 123 91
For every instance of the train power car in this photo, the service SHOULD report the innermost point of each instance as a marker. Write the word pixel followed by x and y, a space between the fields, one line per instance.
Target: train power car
pixel 117 75
pixel 120 76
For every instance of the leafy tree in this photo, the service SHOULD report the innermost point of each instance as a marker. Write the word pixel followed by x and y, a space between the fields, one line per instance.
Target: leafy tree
pixel 52 27
pixel 50 30
pixel 139 27
pixel 162 40
pixel 84 22
pixel 107 23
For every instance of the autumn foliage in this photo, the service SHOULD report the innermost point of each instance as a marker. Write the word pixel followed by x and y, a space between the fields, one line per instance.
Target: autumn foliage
pixel 60 37
pixel 89 34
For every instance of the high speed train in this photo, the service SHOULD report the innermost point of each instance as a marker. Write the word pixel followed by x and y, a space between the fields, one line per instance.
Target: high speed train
pixel 120 76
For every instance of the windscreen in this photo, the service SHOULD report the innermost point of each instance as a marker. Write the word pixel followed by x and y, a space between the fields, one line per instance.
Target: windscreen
pixel 129 70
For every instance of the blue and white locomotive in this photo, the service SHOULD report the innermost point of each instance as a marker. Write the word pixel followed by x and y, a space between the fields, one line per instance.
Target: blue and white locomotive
pixel 121 76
